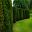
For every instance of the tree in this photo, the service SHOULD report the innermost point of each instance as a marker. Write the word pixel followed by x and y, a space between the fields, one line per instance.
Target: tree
pixel 30 4
pixel 22 5
pixel 8 15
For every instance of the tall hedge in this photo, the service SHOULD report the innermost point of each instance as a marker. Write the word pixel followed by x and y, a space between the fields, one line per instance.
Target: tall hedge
pixel 1 16
pixel 8 15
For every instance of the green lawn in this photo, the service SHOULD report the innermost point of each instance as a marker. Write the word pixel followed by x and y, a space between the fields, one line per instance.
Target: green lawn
pixel 23 25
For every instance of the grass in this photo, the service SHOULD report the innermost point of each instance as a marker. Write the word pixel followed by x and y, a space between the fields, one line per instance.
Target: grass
pixel 23 25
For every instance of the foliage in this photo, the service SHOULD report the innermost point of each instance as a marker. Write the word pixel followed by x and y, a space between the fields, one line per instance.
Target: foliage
pixel 21 6
pixel 1 16
pixel 7 11
pixel 30 4
pixel 21 3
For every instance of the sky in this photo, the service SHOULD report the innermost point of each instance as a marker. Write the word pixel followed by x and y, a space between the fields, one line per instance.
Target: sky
pixel 12 2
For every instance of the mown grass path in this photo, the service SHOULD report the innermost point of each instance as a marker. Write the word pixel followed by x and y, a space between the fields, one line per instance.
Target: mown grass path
pixel 23 25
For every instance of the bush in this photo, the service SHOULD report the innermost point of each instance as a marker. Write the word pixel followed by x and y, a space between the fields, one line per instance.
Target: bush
pixel 26 14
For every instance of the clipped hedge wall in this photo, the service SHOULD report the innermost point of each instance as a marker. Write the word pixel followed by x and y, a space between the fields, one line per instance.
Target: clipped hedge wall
pixel 20 14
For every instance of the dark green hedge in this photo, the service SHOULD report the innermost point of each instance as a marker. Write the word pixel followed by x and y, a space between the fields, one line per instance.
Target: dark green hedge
pixel 20 14
pixel 8 15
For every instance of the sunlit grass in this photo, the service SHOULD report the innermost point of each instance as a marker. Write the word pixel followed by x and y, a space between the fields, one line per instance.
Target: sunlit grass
pixel 23 25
